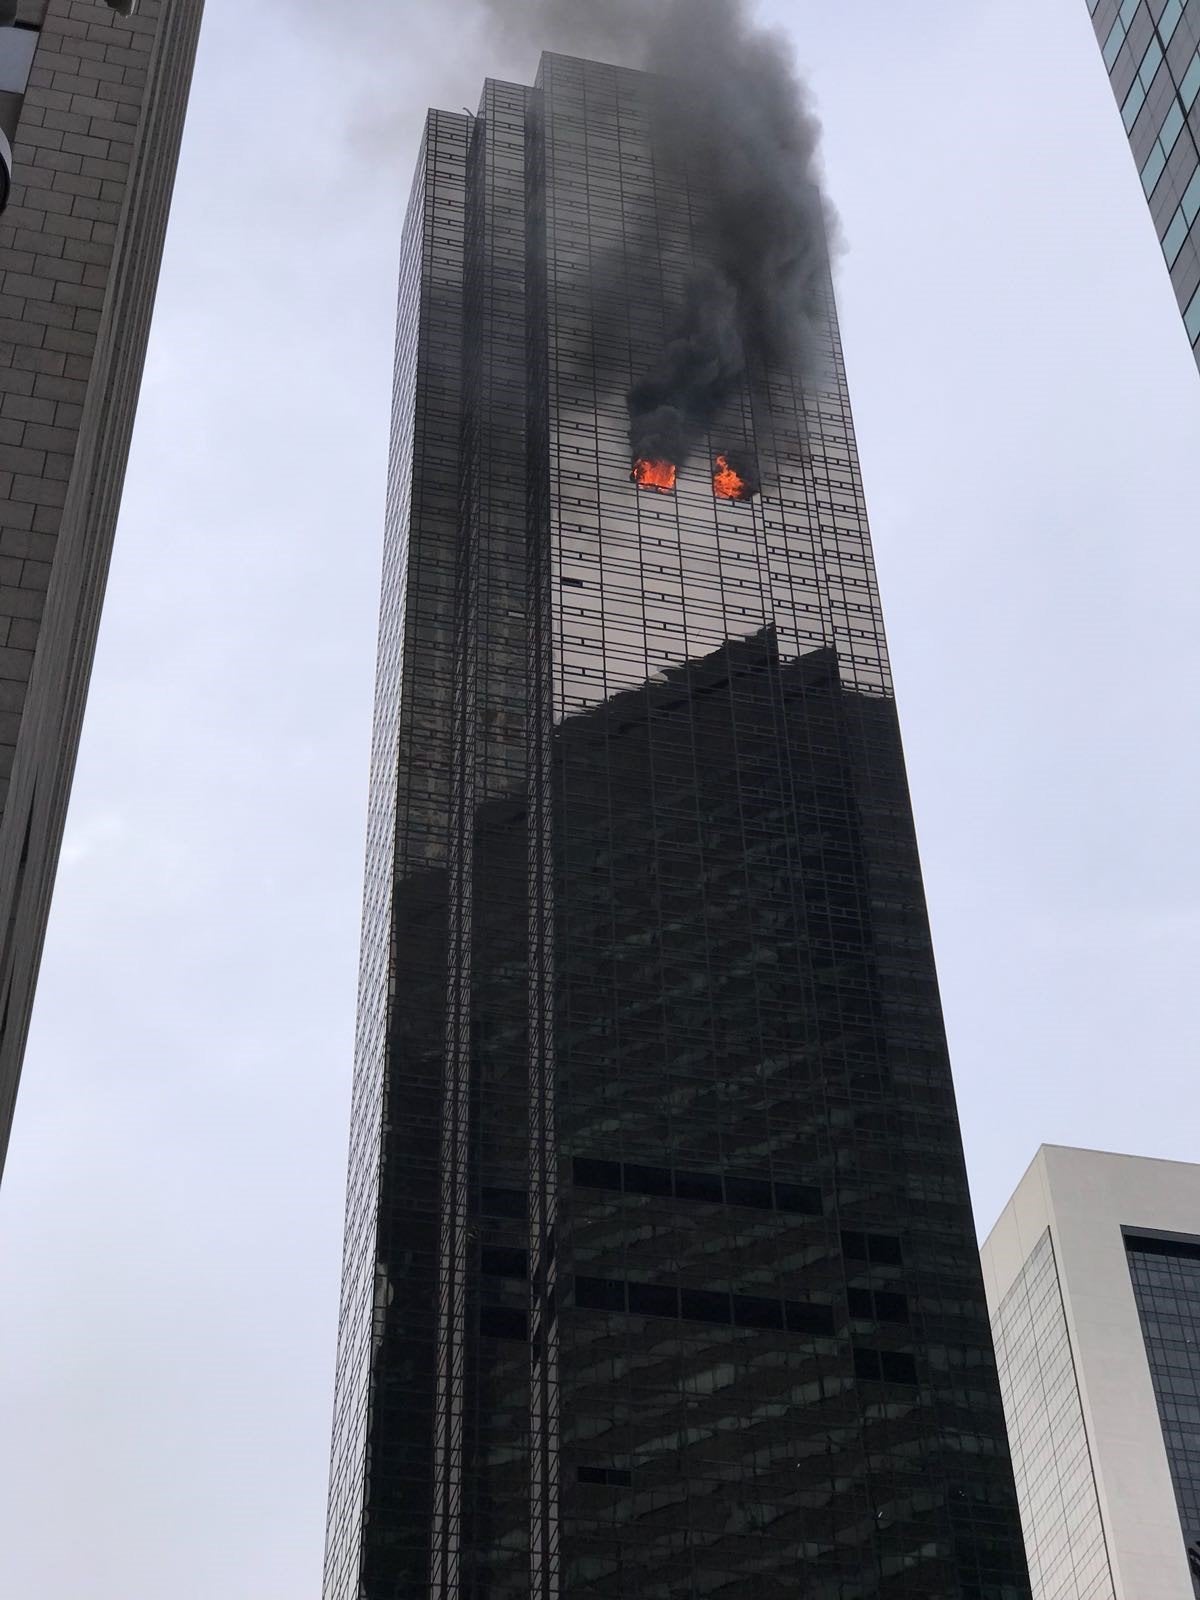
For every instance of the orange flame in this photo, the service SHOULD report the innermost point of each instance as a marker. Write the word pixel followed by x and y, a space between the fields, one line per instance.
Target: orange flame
pixel 658 475
pixel 728 484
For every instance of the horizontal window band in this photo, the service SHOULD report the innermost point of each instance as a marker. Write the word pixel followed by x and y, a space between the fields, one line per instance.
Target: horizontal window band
pixel 611 1477
pixel 713 1187
pixel 703 1305
pixel 1162 1245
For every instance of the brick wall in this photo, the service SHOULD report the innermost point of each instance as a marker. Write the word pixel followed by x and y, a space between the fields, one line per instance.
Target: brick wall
pixel 80 244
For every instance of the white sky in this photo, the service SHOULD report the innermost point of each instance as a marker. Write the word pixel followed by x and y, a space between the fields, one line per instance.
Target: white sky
pixel 170 1220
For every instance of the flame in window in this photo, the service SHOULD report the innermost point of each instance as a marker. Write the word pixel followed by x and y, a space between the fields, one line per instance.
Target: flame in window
pixel 659 475
pixel 728 483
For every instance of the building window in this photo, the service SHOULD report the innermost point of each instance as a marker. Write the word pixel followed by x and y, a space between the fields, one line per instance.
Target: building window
pixel 1173 238
pixel 878 1248
pixel 1165 1273
pixel 1060 1508
pixel 610 1477
pixel 1134 101
pixel 710 1187
pixel 884 1366
pixel 1190 205
pixel 1152 171
pixel 704 1305
pixel 1163 145
pixel 502 1322
pixel 1151 62
pixel 1172 124
pixel 1169 20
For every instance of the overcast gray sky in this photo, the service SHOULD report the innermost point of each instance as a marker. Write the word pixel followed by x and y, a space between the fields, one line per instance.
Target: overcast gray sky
pixel 1028 412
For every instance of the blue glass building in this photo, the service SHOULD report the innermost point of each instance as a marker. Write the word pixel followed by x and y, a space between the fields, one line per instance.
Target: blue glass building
pixel 1151 50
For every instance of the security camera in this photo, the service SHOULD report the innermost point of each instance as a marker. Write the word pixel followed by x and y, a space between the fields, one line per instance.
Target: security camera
pixel 123 8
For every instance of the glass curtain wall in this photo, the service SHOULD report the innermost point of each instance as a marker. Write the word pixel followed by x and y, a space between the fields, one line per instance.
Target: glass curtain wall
pixel 1151 51
pixel 661 1274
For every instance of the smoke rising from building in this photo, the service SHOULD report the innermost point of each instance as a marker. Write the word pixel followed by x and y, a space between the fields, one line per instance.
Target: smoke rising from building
pixel 733 121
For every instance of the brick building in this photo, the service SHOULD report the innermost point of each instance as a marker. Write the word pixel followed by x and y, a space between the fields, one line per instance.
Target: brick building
pixel 91 113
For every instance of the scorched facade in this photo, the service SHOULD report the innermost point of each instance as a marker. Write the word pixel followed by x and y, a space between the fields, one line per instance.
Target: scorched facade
pixel 660 1275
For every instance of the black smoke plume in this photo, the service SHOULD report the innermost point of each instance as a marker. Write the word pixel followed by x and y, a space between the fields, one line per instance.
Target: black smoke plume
pixel 732 121
pixel 698 372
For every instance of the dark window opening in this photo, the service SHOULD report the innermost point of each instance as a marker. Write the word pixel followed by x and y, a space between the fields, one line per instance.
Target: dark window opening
pixel 611 1477
pixel 749 1311
pixel 866 1364
pixel 647 1180
pixel 653 1300
pixel 805 1317
pixel 504 1203
pixel 699 1186
pixel 891 1307
pixel 877 1305
pixel 881 1249
pixel 703 1305
pixel 884 1366
pixel 799 1197
pixel 754 1192
pixel 597 1174
pixel 898 1366
pixel 502 1322
pixel 496 1262
pixel 600 1294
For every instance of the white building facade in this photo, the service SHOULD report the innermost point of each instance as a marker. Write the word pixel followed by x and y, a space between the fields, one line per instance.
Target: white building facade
pixel 1093 1285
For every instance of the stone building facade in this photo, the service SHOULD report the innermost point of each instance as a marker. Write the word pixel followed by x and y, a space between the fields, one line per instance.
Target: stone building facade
pixel 91 107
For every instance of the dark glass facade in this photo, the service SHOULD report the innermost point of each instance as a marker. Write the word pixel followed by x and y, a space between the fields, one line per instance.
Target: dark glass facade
pixel 661 1278
pixel 1151 50
pixel 1166 1286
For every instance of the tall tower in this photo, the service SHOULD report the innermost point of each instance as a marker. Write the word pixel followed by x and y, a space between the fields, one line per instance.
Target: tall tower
pixel 92 100
pixel 1093 1278
pixel 1151 50
pixel 660 1274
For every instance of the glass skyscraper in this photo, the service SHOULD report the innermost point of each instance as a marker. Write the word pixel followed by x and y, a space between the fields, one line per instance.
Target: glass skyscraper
pixel 1151 50
pixel 660 1274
